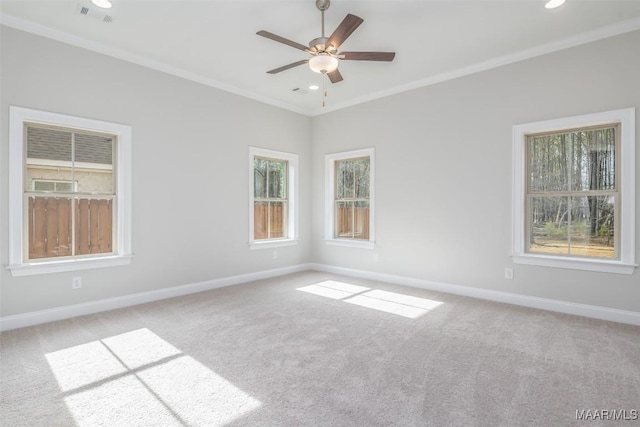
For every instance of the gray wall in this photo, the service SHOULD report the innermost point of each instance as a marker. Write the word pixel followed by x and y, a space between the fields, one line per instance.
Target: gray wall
pixel 443 170
pixel 190 169
pixel 443 157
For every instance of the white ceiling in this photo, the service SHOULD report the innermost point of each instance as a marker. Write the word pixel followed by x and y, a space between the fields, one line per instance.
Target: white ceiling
pixel 215 41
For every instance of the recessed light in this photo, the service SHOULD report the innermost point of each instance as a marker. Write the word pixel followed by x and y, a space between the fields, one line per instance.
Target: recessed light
pixel 552 4
pixel 105 4
pixel 314 87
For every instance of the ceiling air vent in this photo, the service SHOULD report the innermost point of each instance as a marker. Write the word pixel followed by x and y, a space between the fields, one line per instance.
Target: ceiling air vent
pixel 95 13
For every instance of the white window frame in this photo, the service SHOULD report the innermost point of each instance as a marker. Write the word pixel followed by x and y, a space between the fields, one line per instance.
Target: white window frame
pixel 330 175
pixel 626 263
pixel 292 199
pixel 122 250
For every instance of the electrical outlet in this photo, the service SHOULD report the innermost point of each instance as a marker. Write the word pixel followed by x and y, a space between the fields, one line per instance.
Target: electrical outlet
pixel 76 282
pixel 508 273
pixel 275 254
pixel 376 258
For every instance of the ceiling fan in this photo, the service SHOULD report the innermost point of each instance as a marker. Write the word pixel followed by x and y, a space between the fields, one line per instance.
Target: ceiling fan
pixel 324 50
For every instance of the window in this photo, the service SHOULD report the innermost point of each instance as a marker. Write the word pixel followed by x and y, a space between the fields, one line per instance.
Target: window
pixel 69 193
pixel 54 186
pixel 574 192
pixel 349 201
pixel 272 197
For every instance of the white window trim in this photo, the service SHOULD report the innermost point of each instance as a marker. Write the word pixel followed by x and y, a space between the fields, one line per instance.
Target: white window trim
pixel 329 213
pixel 292 196
pixel 122 256
pixel 626 263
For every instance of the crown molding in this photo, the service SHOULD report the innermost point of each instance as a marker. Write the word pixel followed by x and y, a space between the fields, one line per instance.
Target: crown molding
pixel 555 46
pixel 68 38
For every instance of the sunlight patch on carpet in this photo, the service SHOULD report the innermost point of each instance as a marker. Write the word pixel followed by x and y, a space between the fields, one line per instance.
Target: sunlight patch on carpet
pixel 199 395
pixel 83 365
pixel 394 303
pixel 137 378
pixel 389 302
pixel 123 401
pixel 334 290
pixel 139 348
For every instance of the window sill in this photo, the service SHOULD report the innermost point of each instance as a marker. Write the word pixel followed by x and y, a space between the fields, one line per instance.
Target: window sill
pixel 602 266
pixel 361 244
pixel 268 244
pixel 46 267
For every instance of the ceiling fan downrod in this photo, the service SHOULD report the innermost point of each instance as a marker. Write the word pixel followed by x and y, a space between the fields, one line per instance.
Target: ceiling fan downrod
pixel 322 5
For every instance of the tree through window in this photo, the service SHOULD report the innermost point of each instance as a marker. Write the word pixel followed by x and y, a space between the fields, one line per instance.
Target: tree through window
pixel 273 198
pixel 349 198
pixel 352 198
pixel 572 196
pixel 270 198
pixel 573 192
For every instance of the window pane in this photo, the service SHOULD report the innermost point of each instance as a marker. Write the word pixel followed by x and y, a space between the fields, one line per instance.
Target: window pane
pixel 548 219
pixel 277 220
pixel 344 219
pixel 352 220
pixel 93 163
pixel 260 220
pixel 339 180
pixel 277 179
pixel 592 226
pixel 361 220
pixel 269 220
pixel 549 162
pixel 49 224
pixel 64 186
pixel 594 154
pixel 44 185
pixel 362 181
pixel 345 179
pixel 48 155
pixel 270 184
pixel 260 177
pixel 94 219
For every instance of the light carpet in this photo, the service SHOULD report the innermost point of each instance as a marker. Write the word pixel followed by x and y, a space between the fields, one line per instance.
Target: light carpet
pixel 316 349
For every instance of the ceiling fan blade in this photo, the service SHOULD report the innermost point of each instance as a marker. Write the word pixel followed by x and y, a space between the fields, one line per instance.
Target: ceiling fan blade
pixel 367 56
pixel 335 76
pixel 344 30
pixel 279 39
pixel 286 67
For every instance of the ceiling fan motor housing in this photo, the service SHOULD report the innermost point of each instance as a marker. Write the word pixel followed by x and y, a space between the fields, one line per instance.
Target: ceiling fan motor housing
pixel 319 45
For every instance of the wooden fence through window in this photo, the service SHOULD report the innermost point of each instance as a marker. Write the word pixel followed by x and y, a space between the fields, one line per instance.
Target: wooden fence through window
pixel 50 228
pixel 353 223
pixel 268 217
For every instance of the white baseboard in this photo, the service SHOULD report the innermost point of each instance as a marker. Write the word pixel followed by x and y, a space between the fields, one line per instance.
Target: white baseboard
pixel 66 312
pixel 603 313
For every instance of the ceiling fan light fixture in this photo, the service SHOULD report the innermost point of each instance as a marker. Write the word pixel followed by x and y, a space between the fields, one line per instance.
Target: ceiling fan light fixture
pixel 105 4
pixel 323 64
pixel 552 4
